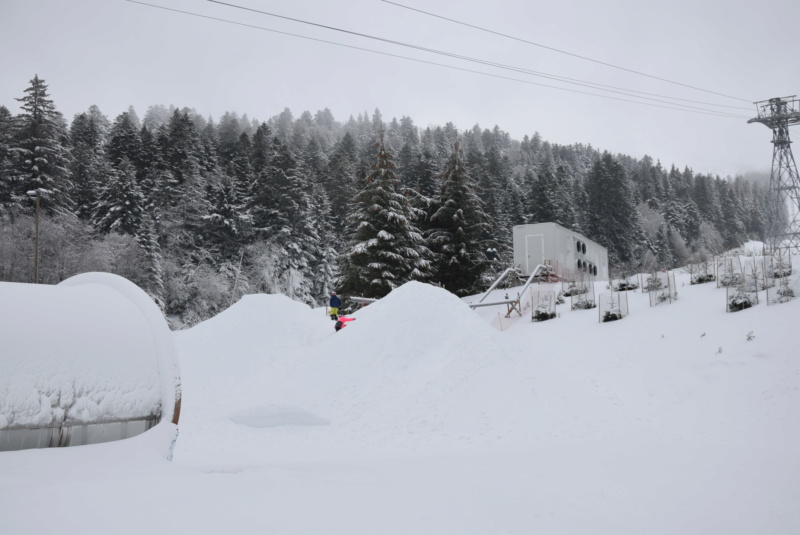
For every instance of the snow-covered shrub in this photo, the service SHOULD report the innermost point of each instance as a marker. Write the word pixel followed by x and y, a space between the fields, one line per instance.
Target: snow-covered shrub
pixel 543 315
pixel 703 278
pixel 583 304
pixel 624 286
pixel 739 301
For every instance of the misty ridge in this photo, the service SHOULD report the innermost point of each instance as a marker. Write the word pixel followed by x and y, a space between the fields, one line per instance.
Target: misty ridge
pixel 199 212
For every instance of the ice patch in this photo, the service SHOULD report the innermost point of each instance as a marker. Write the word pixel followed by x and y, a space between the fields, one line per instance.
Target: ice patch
pixel 276 416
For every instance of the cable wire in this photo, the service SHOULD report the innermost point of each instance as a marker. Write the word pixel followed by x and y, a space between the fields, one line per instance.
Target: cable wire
pixel 583 83
pixel 564 51
pixel 671 107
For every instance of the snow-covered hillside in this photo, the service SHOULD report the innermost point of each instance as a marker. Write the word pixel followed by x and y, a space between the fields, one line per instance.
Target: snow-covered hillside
pixel 423 416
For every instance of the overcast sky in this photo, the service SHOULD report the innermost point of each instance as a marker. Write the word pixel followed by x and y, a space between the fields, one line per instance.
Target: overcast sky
pixel 115 53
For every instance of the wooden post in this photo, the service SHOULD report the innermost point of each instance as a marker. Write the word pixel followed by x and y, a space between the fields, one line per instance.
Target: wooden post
pixel 36 247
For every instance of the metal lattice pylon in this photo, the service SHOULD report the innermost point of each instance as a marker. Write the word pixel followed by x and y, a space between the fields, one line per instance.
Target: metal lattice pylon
pixel 783 212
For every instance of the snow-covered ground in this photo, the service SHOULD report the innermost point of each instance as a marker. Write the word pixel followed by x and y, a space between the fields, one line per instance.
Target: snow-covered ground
pixel 423 417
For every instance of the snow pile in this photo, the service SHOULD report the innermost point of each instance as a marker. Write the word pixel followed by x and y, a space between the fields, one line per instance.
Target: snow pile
pixel 94 348
pixel 678 418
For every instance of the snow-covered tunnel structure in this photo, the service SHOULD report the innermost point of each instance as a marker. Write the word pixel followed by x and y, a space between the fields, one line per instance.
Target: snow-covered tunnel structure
pixel 89 360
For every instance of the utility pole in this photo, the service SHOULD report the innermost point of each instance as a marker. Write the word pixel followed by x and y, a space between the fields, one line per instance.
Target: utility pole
pixel 783 212
pixel 37 193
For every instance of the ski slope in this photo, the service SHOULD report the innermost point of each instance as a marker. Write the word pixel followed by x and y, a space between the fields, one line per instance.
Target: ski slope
pixel 424 416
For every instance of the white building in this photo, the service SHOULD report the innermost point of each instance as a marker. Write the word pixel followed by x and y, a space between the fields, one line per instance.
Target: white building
pixel 571 254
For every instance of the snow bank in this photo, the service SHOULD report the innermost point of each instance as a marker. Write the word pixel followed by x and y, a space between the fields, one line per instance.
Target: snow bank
pixel 94 348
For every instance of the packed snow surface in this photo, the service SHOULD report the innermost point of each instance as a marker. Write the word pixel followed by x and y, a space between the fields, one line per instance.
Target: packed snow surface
pixel 424 416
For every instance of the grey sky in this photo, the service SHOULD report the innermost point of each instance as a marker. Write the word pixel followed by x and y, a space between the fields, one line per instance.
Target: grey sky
pixel 115 53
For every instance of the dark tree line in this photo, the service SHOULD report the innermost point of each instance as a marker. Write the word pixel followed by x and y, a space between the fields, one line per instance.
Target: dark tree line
pixel 198 212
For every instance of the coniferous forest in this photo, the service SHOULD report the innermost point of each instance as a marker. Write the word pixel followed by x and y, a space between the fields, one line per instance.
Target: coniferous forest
pixel 199 211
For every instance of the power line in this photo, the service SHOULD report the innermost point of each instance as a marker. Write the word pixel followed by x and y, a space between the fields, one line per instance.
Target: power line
pixel 564 52
pixel 593 85
pixel 685 108
pixel 583 83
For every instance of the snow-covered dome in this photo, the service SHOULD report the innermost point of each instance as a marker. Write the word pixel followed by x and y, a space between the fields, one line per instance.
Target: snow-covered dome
pixel 89 360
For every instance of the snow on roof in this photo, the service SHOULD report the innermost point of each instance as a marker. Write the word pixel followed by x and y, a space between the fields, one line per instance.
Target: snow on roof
pixel 94 348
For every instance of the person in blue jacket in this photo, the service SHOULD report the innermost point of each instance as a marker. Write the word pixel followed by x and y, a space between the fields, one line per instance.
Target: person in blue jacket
pixel 335 304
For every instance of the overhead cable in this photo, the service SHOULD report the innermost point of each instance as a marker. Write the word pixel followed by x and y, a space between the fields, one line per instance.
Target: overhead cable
pixel 564 51
pixel 672 105
pixel 593 85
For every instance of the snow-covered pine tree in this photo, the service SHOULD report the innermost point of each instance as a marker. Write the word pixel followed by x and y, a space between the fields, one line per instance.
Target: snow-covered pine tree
pixel 125 141
pixel 731 223
pixel 460 230
pixel 226 227
pixel 147 239
pixel 612 219
pixel 6 136
pixel 283 217
pixel 88 168
pixel 385 249
pixel 664 253
pixel 340 179
pixel 41 156
pixel 240 168
pixel 229 132
pixel 324 267
pixel 120 204
pixel 544 203
pixel 181 147
pixel 262 149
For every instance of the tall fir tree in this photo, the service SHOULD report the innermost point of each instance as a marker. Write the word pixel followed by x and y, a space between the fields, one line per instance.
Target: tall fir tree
pixel 120 204
pixel 88 167
pixel 227 226
pixel 285 220
pixel 613 220
pixel 386 249
pixel 340 179
pixel 41 154
pixel 125 141
pixel 6 167
pixel 460 230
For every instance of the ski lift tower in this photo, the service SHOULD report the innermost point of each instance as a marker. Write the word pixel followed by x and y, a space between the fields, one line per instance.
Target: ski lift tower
pixel 783 212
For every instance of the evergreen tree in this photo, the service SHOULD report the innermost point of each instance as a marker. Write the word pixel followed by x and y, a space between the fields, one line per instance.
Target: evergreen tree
pixel 88 167
pixel 706 198
pixel 324 267
pixel 181 148
pixel 664 253
pixel 544 204
pixel 227 226
pixel 731 223
pixel 460 230
pixel 153 283
pixel 612 219
pixel 262 149
pixel 6 166
pixel 386 249
pixel 340 179
pixel 120 204
pixel 241 170
pixel 41 155
pixel 283 214
pixel 125 141
pixel 229 132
